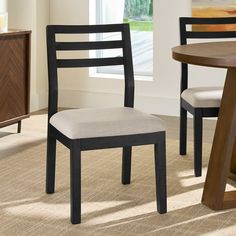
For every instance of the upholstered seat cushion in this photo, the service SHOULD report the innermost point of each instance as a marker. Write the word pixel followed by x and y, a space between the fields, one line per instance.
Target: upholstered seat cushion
pixel 103 122
pixel 203 96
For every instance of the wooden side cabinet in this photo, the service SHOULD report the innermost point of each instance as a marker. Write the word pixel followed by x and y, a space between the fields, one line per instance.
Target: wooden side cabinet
pixel 14 77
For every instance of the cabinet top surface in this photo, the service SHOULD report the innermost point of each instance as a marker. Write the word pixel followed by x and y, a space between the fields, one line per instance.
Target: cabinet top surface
pixel 15 32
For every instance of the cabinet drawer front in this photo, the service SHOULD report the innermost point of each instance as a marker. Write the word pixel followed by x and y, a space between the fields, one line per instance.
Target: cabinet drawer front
pixel 14 81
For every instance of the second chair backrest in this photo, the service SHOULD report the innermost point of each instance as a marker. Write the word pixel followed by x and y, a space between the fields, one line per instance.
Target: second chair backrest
pixel 53 46
pixel 186 34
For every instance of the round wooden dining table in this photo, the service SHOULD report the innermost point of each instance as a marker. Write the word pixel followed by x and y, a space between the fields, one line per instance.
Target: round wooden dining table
pixel 222 163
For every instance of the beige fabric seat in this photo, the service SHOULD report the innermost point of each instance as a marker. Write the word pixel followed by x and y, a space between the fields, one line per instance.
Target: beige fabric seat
pixel 103 122
pixel 203 96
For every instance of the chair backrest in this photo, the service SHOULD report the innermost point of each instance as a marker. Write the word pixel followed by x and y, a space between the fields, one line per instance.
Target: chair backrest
pixel 54 63
pixel 186 34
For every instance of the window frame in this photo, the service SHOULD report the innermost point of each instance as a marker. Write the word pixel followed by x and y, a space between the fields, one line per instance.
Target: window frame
pixel 97 10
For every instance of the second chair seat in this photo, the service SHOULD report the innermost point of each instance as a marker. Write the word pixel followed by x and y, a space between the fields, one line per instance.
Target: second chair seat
pixel 203 96
pixel 105 122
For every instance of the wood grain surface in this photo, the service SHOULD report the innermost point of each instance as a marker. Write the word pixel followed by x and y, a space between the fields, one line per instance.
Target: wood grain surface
pixel 14 76
pixel 214 54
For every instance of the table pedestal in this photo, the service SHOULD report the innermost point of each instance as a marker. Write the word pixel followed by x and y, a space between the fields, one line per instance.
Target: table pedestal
pixel 223 153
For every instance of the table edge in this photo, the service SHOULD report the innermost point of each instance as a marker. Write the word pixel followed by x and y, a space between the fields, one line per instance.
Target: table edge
pixel 201 61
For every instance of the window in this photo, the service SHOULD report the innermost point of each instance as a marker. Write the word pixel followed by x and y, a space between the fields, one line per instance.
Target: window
pixel 139 14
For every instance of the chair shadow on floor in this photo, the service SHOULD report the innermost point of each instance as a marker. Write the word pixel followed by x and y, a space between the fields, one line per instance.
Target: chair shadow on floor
pixel 187 219
pixel 7 151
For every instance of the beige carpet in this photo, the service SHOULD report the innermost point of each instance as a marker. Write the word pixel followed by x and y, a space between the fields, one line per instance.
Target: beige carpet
pixel 108 207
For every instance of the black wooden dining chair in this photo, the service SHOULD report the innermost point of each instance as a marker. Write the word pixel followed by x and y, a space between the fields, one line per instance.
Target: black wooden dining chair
pixel 90 129
pixel 199 101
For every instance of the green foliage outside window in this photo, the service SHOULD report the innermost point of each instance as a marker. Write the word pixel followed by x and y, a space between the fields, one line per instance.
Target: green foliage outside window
pixel 140 9
pixel 139 14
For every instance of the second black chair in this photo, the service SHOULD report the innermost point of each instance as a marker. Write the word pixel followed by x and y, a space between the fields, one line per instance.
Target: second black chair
pixel 199 101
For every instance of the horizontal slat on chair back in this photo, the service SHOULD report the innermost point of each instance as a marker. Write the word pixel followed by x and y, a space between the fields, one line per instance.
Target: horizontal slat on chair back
pixel 89 62
pixel 88 45
pixel 211 34
pixel 84 29
pixel 208 21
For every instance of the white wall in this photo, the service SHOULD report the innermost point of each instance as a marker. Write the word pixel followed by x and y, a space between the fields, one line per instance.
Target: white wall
pixel 160 96
pixel 33 15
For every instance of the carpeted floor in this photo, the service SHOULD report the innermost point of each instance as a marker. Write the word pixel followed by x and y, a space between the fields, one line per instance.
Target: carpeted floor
pixel 108 207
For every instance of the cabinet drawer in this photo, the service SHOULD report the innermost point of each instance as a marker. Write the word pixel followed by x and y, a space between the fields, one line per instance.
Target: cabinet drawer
pixel 14 76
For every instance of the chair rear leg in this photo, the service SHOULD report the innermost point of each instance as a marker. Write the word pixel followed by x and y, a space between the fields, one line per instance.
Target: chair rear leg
pixel 126 165
pixel 51 164
pixel 160 170
pixel 183 132
pixel 75 182
pixel 197 129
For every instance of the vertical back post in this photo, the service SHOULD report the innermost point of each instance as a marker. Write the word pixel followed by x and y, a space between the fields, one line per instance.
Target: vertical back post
pixel 128 68
pixel 52 72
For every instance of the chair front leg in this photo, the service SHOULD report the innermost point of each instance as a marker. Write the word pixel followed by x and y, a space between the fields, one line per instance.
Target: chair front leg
pixel 183 132
pixel 51 164
pixel 197 130
pixel 160 169
pixel 75 182
pixel 126 165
